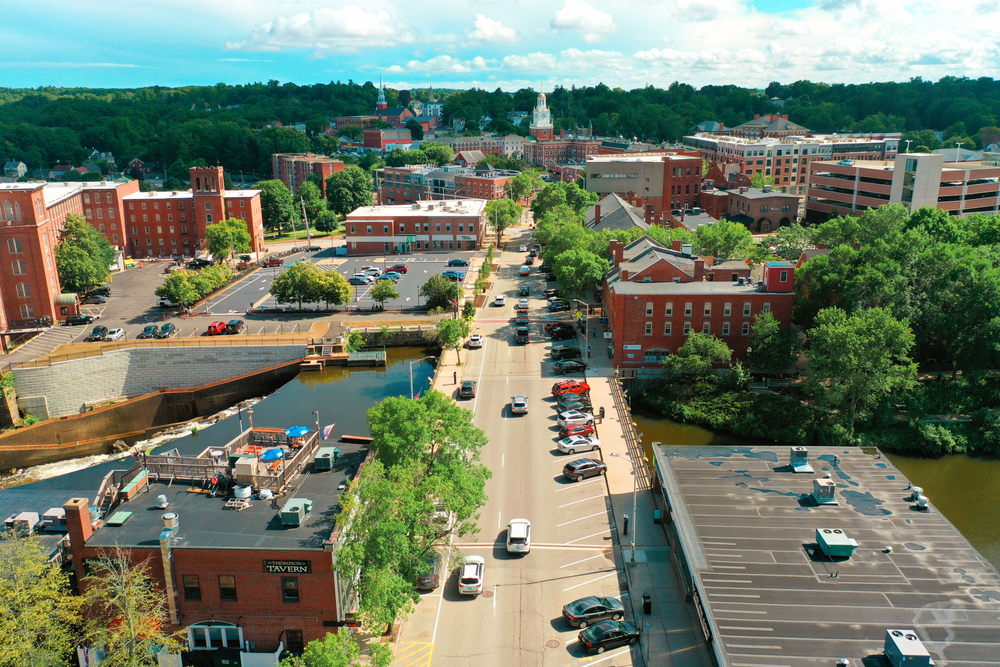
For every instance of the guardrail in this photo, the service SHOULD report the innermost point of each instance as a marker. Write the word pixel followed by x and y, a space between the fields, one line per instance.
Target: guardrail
pixel 630 433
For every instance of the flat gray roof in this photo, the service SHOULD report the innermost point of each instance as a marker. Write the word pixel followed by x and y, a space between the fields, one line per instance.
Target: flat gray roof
pixel 748 530
pixel 692 287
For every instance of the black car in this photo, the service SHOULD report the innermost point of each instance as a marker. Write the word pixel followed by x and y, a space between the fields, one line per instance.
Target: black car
pixel 569 366
pixel 550 277
pixel 525 290
pixel 149 331
pixel 235 326
pixel 579 406
pixel 75 320
pixel 584 468
pixel 558 306
pixel 245 258
pixel 198 263
pixel 589 610
pixel 552 291
pixel 99 333
pixel 563 402
pixel 608 634
pixel 562 333
pixel 521 336
pixel 457 262
pixel 468 389
pixel 103 291
pixel 566 352
pixel 545 267
pixel 168 330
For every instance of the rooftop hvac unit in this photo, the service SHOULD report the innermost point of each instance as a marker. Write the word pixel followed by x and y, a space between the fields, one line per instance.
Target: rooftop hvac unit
pixel 800 460
pixel 741 281
pixel 686 249
pixel 835 543
pixel 325 458
pixel 295 511
pixel 903 648
pixel 22 523
pixel 415 207
pixel 162 502
pixel 916 492
pixel 824 492
pixel 54 518
pixel 696 211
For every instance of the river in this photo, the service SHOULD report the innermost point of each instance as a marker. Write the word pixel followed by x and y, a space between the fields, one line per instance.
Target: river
pixel 963 488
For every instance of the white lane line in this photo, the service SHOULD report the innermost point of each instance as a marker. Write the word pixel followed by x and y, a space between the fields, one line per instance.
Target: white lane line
pixel 582 518
pixel 577 562
pixel 476 402
pixel 577 485
pixel 502 459
pixel 494 600
pixel 580 501
pixel 613 655
pixel 499 523
pixel 590 581
pixel 589 536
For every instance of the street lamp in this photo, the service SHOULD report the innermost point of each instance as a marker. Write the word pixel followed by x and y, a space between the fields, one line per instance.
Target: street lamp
pixel 410 363
pixel 749 361
pixel 635 481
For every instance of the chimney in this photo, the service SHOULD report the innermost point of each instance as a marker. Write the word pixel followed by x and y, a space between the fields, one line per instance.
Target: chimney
pixel 756 116
pixel 597 213
pixel 699 270
pixel 682 215
pixel 562 133
pixel 617 251
pixel 821 246
pixel 785 117
pixel 80 529
pixel 624 274
pixel 677 245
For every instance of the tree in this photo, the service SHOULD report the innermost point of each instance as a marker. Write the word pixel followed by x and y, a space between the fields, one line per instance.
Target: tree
pixel 501 214
pixel 348 190
pixel 309 193
pixel 416 129
pixel 439 292
pixel 37 611
pixel 790 241
pixel 525 183
pixel 384 290
pixel 82 256
pixel 469 311
pixel 126 611
pixel 179 287
pixel 452 334
pixel 554 194
pixel 578 271
pixel 724 239
pixel 857 359
pixel 760 180
pixel 227 237
pixel 774 348
pixel 335 289
pixel 334 650
pixel 301 282
pixel 276 206
pixel 398 157
pixel 988 135
pixel 698 355
pixel 437 153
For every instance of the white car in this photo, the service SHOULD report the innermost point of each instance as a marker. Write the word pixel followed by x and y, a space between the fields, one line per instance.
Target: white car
pixel 519 405
pixel 475 341
pixel 372 272
pixel 470 582
pixel 116 334
pixel 523 248
pixel 518 536
pixel 575 417
pixel 523 303
pixel 578 443
pixel 500 300
pixel 364 276
pixel 554 299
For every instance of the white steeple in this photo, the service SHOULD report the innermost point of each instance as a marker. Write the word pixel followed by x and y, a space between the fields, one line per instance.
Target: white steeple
pixel 541 117
pixel 381 104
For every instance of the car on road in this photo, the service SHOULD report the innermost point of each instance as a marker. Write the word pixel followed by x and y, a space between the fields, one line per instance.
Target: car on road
pixel 394 277
pixel 453 275
pixel 576 429
pixel 553 299
pixel 358 280
pixel 524 270
pixel 558 307
pixel 433 573
pixel 552 326
pixel 521 317
pixel 399 268
pixel 149 331
pixel 525 290
pixel 168 330
pixel 470 581
pixel 76 320
pixel 523 248
pixel 500 300
pixel 533 253
pixel 552 291
pixel 529 260
pixel 565 352
pixel 519 405
pixel 97 334
pixel 550 278
pixel 94 299
pixel 468 389
pixel 572 417
pixel 216 328
pixel 115 334
pixel 568 366
pixel 521 336
pixel 584 468
pixel 608 634
pixel 274 261
pixel 235 327
pixel 523 303
pixel 518 536
pixel 562 333
pixel 457 262
pixel 589 610
pixel 578 443
pixel 570 387
pixel 476 341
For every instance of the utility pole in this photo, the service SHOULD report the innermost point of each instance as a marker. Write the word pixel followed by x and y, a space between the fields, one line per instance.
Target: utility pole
pixel 305 220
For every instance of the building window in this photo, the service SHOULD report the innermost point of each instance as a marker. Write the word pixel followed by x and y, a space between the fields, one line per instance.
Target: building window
pixel 784 277
pixel 438 227
pixel 708 309
pixel 14 246
pixel 385 229
pixel 667 328
pixel 208 206
pixel 290 589
pixel 184 229
pixel 208 218
pixel 192 587
pixel 649 309
pixel 369 229
pixel 727 309
pixel 687 328
pixel 649 328
pixel 669 310
pixel 295 643
pixel 19 267
pixel 23 291
pixel 746 328
pixel 706 328
pixel 27 311
pixel 655 356
pixel 746 309
pixel 147 229
pixel 688 307
pixel 725 328
pixel 227 587
pixel 767 308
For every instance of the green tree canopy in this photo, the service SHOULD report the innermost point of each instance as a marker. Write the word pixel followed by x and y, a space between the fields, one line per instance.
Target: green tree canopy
pixel 437 153
pixel 348 190
pixel 179 287
pixel 335 289
pixel 501 214
pixel 416 129
pixel 276 206
pixel 791 240
pixel 83 256
pixel 760 180
pixel 439 292
pixel 725 240
pixel 775 348
pixel 578 271
pixel 524 184
pixel 452 334
pixel 555 194
pixel 302 282
pixel 384 290
pixel 227 237
pixel 698 355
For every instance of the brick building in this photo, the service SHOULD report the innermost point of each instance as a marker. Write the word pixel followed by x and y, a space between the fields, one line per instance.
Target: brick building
pixel 386 140
pixel 294 169
pixel 658 184
pixel 413 183
pixel 545 149
pixel 421 226
pixel 762 210
pixel 767 126
pixel 654 297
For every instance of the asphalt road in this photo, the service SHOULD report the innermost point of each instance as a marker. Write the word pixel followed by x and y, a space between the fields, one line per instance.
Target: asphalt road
pixel 518 621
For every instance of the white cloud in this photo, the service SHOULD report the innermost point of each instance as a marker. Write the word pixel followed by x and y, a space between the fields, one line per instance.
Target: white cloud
pixel 491 30
pixel 593 60
pixel 592 24
pixel 536 61
pixel 440 64
pixel 348 29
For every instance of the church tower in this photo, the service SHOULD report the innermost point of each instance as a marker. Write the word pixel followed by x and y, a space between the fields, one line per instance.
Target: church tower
pixel 381 104
pixel 541 120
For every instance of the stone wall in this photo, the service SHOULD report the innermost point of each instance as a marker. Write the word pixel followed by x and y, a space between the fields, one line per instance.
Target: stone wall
pixel 69 387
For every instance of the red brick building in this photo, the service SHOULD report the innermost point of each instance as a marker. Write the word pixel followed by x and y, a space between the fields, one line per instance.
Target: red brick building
pixel 294 169
pixel 385 140
pixel 413 183
pixel 654 297
pixel 657 184
pixel 421 226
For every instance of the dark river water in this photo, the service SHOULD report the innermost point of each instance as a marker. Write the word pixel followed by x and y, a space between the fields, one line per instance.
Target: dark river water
pixel 963 488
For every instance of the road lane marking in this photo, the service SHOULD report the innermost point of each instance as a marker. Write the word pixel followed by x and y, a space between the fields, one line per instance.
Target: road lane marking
pixel 414 654
pixel 590 581
pixel 499 522
pixel 577 562
pixel 582 518
pixel 606 530
pixel 581 501
pixel 502 458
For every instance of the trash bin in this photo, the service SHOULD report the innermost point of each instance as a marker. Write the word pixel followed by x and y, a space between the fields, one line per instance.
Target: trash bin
pixel 647 604
pixel 602 412
pixel 656 516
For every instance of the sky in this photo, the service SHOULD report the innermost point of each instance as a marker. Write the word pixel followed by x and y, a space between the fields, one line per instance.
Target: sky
pixel 487 44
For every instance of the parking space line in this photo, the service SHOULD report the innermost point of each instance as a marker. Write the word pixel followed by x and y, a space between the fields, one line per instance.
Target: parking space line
pixel 577 562
pixel 587 537
pixel 591 661
pixel 582 518
pixel 581 501
pixel 578 485
pixel 610 574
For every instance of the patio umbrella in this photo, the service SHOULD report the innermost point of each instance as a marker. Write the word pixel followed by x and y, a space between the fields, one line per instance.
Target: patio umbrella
pixel 272 454
pixel 296 431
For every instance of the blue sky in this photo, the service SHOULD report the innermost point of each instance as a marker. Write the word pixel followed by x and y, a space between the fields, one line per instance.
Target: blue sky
pixel 511 44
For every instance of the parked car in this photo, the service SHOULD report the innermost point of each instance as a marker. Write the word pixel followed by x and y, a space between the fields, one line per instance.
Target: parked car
pixel 457 262
pixel 500 300
pixel 568 366
pixel 521 336
pixel 545 268
pixel 216 328
pixel 562 333
pixel 565 352
pixel 149 331
pixel 116 334
pixel 589 610
pixel 519 405
pixel 358 280
pixel 245 258
pixel 372 271
pixel 578 443
pixel 524 270
pixel 608 634
pixel 476 341
pixel 470 580
pixel 551 326
pixel 575 404
pixel 468 389
pixel 198 263
pixel 399 268
pixel 550 278
pixel 552 291
pixel 168 330
pixel 235 327
pixel 453 275
pixel 567 399
pixel 433 573
pixel 97 334
pixel 166 303
pixel 394 277
pixel 572 417
pixel 518 536
pixel 558 307
pixel 94 299
pixel 273 261
pixel 173 267
pixel 553 299
pixel 103 290
pixel 76 320
pixel 525 290
pixel 584 468
pixel 576 429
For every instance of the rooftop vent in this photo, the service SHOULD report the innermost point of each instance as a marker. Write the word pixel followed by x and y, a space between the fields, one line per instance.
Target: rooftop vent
pixel 800 460
pixel 161 502
pixel 294 511
pixel 824 491
pixel 741 281
pixel 835 543
pixel 916 492
pixel 22 523
pixel 686 249
pixel 903 647
pixel 54 518
pixel 171 520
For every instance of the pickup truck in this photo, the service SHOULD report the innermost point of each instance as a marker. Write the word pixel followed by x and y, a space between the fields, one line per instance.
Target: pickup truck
pixel 274 261
pixel 166 303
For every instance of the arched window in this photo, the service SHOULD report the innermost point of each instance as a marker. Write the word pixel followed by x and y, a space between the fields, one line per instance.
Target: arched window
pixel 8 210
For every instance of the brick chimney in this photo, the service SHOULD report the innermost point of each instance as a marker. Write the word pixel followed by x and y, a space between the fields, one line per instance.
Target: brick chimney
pixel 677 245
pixel 624 274
pixel 80 530
pixel 756 116
pixel 784 117
pixel 821 246
pixel 617 251
pixel 597 213
pixel 699 270
pixel 562 133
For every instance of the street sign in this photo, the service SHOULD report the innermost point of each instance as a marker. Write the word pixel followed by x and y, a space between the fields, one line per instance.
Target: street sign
pixel 603 320
pixel 607 334
pixel 631 347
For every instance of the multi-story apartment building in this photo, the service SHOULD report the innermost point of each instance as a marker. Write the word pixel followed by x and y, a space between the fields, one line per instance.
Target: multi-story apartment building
pixel 657 184
pixel 294 169
pixel 423 225
pixel 914 179
pixel 413 183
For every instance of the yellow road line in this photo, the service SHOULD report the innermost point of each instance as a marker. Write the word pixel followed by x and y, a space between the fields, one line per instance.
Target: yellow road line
pixel 413 654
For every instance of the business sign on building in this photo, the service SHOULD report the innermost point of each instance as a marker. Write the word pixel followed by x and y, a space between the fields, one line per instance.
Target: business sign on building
pixel 288 566
pixel 608 334
pixel 465 237
pixel 631 347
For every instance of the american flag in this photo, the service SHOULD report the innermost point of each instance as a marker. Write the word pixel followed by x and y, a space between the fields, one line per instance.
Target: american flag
pixel 327 432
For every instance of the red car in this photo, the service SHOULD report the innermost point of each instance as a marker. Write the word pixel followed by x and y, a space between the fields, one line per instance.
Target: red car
pixel 549 326
pixel 276 261
pixel 398 268
pixel 576 429
pixel 216 328
pixel 570 387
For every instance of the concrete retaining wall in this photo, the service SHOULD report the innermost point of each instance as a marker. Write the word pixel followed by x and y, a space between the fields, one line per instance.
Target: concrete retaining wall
pixel 68 387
